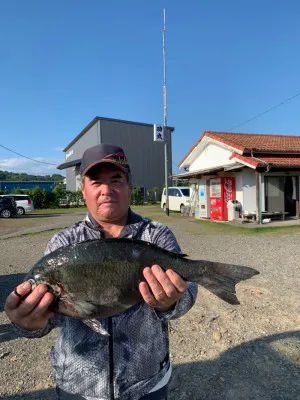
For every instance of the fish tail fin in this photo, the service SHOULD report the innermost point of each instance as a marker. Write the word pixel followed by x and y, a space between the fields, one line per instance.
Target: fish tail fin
pixel 223 278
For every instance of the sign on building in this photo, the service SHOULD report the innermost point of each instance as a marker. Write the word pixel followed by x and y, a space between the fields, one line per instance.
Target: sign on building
pixel 159 133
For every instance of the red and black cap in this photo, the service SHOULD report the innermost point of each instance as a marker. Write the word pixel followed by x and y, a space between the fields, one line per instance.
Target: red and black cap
pixel 104 153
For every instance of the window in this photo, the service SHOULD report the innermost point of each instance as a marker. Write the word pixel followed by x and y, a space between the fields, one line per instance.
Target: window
pixel 185 192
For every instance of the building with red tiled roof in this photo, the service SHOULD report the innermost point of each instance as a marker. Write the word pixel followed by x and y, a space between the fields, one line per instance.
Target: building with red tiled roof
pixel 262 171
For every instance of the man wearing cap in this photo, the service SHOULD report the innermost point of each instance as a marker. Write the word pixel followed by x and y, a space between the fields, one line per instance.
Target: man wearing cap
pixel 132 363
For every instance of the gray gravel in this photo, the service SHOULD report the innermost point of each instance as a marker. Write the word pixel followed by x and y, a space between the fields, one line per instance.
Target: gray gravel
pixel 219 351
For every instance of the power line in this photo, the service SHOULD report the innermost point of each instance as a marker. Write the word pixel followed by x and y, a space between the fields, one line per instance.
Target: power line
pixel 32 159
pixel 265 112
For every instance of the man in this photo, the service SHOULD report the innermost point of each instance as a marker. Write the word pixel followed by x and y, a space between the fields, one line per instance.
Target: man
pixel 132 363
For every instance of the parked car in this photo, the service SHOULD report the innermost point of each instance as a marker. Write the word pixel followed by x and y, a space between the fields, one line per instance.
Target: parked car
pixel 179 197
pixel 24 202
pixel 8 207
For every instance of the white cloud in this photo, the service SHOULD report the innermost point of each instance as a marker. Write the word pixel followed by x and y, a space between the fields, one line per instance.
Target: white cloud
pixel 31 167
pixel 58 148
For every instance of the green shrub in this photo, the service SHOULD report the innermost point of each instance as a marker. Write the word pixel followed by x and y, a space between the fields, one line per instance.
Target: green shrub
pixel 137 197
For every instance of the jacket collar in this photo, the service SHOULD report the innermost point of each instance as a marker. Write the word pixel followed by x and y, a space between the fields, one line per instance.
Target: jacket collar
pixel 130 230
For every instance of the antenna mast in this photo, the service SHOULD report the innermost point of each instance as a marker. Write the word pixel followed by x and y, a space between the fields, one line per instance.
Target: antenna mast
pixel 165 71
pixel 165 114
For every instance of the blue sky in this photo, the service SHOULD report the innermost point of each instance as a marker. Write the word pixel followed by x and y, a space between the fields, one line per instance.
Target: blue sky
pixel 63 62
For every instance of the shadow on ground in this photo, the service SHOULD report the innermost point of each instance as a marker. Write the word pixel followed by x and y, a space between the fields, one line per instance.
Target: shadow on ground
pixel 267 368
pixel 47 394
pixel 7 285
pixel 7 333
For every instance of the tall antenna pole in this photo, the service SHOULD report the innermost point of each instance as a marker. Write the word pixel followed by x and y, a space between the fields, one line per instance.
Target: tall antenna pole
pixel 165 71
pixel 165 113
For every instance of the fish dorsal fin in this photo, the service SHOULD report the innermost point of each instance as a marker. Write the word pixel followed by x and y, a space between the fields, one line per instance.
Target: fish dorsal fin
pixel 129 241
pixel 143 243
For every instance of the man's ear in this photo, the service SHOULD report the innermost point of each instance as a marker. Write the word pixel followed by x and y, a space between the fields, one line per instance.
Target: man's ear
pixel 83 189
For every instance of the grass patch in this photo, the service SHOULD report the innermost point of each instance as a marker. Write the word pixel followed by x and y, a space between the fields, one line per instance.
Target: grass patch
pixel 199 227
pixel 225 228
pixel 54 230
pixel 62 210
pixel 189 224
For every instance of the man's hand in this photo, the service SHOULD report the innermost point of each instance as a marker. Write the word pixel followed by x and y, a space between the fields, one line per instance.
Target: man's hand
pixel 164 290
pixel 31 312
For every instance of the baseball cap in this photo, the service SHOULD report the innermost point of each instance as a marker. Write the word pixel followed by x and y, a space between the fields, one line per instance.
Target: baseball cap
pixel 104 153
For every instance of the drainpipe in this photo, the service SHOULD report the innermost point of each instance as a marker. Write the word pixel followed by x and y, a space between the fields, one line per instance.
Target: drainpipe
pixel 258 187
pixel 258 203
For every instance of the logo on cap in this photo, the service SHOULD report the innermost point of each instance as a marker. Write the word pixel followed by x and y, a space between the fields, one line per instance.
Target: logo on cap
pixel 119 158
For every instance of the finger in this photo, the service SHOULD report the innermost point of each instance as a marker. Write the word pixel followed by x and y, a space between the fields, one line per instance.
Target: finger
pixel 31 301
pixel 147 295
pixel 41 310
pixel 164 281
pixel 13 300
pixel 180 285
pixel 156 288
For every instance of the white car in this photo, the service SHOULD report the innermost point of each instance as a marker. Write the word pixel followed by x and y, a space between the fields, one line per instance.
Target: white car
pixel 179 197
pixel 24 202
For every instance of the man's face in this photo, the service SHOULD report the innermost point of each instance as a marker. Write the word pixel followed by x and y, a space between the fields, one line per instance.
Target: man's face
pixel 107 193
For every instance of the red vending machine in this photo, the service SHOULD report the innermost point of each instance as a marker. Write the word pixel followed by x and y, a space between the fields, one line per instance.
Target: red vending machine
pixel 221 191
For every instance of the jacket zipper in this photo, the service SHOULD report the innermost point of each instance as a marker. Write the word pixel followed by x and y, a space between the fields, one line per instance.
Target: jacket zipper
pixel 111 358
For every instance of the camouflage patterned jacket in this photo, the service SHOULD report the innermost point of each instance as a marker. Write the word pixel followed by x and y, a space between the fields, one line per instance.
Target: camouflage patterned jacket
pixel 135 357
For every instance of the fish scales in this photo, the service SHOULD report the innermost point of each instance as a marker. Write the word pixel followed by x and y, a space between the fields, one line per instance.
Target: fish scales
pixel 100 278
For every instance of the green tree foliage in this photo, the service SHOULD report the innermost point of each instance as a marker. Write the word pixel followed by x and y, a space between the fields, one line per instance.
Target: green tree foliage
pixel 152 195
pixel 137 197
pixel 75 199
pixel 15 176
pixel 40 197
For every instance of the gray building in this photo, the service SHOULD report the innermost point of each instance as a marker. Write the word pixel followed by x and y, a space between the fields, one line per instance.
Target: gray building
pixel 146 157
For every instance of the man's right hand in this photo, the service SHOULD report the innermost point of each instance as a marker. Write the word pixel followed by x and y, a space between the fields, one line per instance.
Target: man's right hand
pixel 30 313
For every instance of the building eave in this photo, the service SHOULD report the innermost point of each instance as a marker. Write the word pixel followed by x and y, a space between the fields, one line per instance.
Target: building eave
pixel 69 164
pixel 200 172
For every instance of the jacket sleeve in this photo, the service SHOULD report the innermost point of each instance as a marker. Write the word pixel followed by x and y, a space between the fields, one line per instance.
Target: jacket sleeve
pixel 54 322
pixel 166 239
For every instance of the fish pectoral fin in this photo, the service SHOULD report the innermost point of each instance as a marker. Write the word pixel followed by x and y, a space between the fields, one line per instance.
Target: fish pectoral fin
pixel 96 326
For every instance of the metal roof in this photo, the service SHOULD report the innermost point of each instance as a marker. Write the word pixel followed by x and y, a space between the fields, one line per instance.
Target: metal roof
pixel 69 164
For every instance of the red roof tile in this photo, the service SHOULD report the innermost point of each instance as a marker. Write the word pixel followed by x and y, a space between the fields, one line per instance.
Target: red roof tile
pixel 256 141
pixel 248 160
pixel 279 160
pixel 259 142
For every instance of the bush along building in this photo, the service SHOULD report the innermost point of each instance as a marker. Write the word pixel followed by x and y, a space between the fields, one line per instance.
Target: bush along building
pixel 146 157
pixel 257 171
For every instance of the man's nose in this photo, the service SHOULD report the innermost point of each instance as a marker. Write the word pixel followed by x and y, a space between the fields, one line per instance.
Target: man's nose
pixel 105 188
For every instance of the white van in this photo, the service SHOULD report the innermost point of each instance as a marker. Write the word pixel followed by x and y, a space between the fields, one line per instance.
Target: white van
pixel 179 197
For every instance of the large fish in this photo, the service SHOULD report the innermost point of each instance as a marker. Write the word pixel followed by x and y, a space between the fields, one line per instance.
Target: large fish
pixel 99 278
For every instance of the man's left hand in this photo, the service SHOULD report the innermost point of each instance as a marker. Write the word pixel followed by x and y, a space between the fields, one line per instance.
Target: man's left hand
pixel 162 289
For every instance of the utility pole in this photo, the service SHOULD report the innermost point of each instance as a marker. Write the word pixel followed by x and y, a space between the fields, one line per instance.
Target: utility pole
pixel 165 113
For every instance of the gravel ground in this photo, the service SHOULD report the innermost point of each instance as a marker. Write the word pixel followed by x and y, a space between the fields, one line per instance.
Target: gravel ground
pixel 219 351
